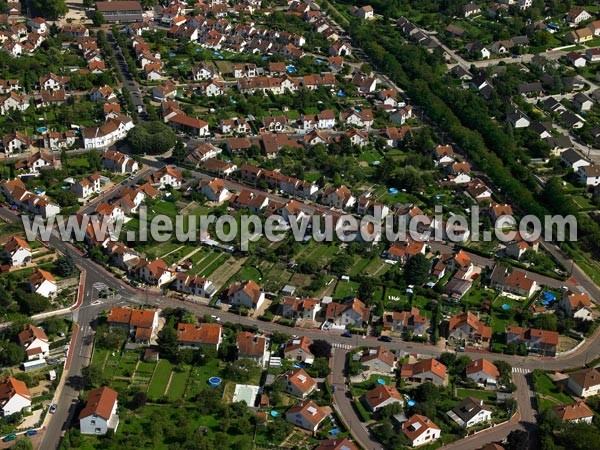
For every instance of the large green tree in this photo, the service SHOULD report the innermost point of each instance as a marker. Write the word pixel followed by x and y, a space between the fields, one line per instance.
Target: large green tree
pixel 417 269
pixel 151 137
pixel 51 9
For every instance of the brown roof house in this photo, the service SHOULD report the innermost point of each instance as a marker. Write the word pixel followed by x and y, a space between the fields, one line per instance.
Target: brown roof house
pixel 538 341
pixel 426 370
pixel 585 383
pixel 253 346
pixel 575 413
pixel 34 341
pixel 483 372
pixel 205 335
pixel 353 313
pixel 420 430
pixel 298 349
pixel 100 412
pixel 306 414
pixel 467 327
pixel 247 294
pixel 378 360
pixel 298 383
pixel 381 396
pixel 14 396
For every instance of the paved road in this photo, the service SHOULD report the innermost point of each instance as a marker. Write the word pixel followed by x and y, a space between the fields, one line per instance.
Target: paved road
pixel 343 404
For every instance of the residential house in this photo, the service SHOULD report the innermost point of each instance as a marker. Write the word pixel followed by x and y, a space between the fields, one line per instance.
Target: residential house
pixel 573 159
pixel 513 281
pixel 538 341
pixel 298 383
pixel 193 285
pixel 467 327
pixel 381 396
pixel 307 415
pixel 471 9
pixel 141 324
pixel 577 306
pixel 34 341
pixel 482 371
pixel 340 198
pixel 300 308
pixel 254 347
pixel 470 412
pixel 579 36
pixel 578 412
pixel 155 273
pixel 298 349
pixel 576 59
pixel 100 412
pixel 166 176
pixel 426 370
pixel 214 190
pixel 14 396
pixel 364 12
pixel 15 142
pixel 352 313
pixel 106 135
pixel 378 360
pixel 517 119
pixel 87 187
pixel 584 383
pixel 405 322
pixel 582 102
pixel 589 175
pixel 247 294
pixel 42 283
pixel 420 430
pixel 205 335
pixel 16 251
pixel 119 162
pixel 337 444
pixel 577 15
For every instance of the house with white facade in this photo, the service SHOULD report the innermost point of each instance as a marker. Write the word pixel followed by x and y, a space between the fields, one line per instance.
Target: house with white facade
pixel 470 412
pixel 420 430
pixel 16 251
pixel 247 294
pixel 584 383
pixel 42 283
pixel 100 412
pixel 34 341
pixel 14 397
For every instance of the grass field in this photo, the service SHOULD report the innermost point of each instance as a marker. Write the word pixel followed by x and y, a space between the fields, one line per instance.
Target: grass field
pixel 345 289
pixel 547 392
pixel 178 384
pixel 476 393
pixel 160 379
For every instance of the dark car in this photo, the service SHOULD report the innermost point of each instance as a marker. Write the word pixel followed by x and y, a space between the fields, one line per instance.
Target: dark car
pixel 9 437
pixel 385 339
pixel 346 334
pixel 31 432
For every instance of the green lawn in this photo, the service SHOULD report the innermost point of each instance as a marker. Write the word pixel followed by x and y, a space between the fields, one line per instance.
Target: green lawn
pixel 547 392
pixel 249 273
pixel 178 384
pixel 345 289
pixel 476 393
pixel 160 379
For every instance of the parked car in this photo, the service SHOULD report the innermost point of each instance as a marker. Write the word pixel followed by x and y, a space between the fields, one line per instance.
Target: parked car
pixel 53 408
pixel 385 338
pixel 346 334
pixel 31 432
pixel 9 437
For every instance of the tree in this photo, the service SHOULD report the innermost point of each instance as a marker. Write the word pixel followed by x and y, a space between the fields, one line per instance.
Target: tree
pixel 66 198
pixel 11 354
pixel 139 400
pixel 91 376
pixel 151 138
pixel 23 444
pixel 98 19
pixel 319 368
pixel 341 264
pixel 518 440
pixel 179 152
pixel 167 342
pixel 241 370
pixel 321 349
pixel 51 9
pixel 32 303
pixel 417 269
pixel 65 266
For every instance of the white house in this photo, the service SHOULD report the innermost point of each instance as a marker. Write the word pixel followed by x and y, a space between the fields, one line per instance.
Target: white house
pixel 576 413
pixel 214 190
pixel 483 372
pixel 298 383
pixel 248 294
pixel 16 251
pixel 254 347
pixel 119 162
pixel 306 414
pixel 43 283
pixel 106 135
pixel 100 412
pixel 470 412
pixel 34 341
pixel 577 306
pixel 381 396
pixel 193 285
pixel 14 396
pixel 87 187
pixel 584 383
pixel 167 176
pixel 420 430
pixel 590 175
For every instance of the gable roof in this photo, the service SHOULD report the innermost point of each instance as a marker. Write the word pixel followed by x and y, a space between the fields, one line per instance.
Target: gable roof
pixel 249 344
pixel 100 402
pixel 417 425
pixel 300 379
pixel 426 365
pixel 576 411
pixel 586 378
pixel 12 387
pixel 205 333
pixel 310 411
pixel 483 365
pixel 380 394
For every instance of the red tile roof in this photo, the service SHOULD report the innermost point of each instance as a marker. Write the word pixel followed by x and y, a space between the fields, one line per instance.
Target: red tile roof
pixel 100 402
